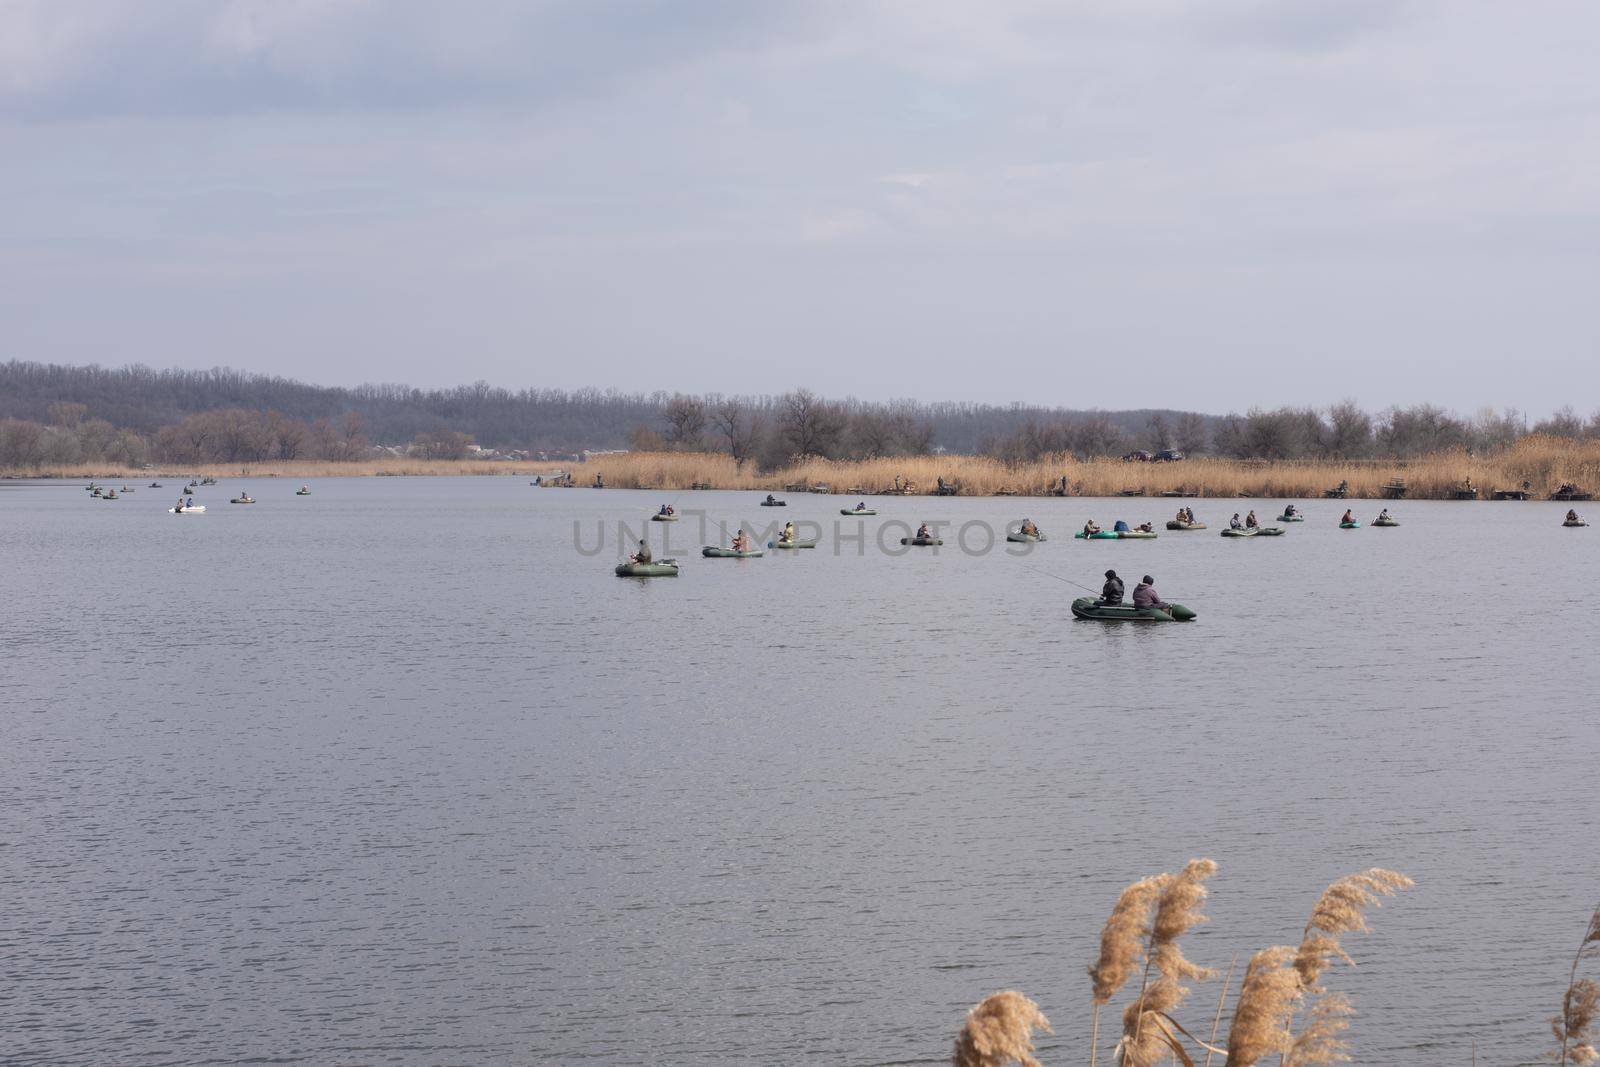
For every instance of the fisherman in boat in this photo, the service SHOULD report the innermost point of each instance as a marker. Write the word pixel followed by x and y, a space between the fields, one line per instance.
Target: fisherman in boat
pixel 1029 529
pixel 1234 523
pixel 741 543
pixel 1147 527
pixel 643 555
pixel 1111 594
pixel 1090 528
pixel 305 489
pixel 771 499
pixel 1183 515
pixel 1290 511
pixel 1120 526
pixel 179 506
pixel 861 505
pixel 1349 516
pixel 1383 516
pixel 1251 522
pixel 189 503
pixel 1145 595
pixel 788 533
pixel 923 533
pixel 1572 515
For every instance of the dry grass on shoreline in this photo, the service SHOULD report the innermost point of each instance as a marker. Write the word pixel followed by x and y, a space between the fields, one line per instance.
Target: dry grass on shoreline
pixel 1543 462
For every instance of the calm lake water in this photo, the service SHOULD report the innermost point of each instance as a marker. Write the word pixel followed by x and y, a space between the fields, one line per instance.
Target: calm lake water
pixel 394 773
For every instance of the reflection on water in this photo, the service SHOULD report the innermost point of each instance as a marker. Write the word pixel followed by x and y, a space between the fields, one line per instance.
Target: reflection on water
pixel 395 774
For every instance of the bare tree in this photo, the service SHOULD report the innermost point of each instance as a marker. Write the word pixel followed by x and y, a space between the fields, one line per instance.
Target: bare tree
pixel 1191 435
pixel 740 429
pixel 1563 422
pixel 811 427
pixel 1160 433
pixel 685 417
pixel 1349 431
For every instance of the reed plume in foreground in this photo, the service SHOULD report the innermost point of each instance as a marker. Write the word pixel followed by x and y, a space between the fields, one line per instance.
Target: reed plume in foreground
pixel 1322 1040
pixel 1122 944
pixel 1581 1004
pixel 1341 910
pixel 999 1030
pixel 1147 1035
pixel 1267 998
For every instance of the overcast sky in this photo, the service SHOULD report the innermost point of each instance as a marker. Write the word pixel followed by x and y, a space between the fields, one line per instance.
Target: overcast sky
pixel 1203 205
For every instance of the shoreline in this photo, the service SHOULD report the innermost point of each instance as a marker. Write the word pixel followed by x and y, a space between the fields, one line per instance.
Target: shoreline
pixel 1536 468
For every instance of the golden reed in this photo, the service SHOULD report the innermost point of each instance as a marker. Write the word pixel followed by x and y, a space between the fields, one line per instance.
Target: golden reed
pixel 1142 937
pixel 1544 463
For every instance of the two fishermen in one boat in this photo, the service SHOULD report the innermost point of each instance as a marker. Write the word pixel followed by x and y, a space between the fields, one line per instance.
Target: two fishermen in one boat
pixel 666 509
pixel 1144 594
pixel 1186 514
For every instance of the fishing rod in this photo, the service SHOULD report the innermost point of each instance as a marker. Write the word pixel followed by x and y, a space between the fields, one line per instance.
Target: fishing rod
pixel 1069 581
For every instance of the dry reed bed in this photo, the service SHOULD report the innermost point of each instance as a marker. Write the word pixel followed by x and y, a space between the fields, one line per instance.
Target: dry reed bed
pixel 1283 1006
pixel 1543 462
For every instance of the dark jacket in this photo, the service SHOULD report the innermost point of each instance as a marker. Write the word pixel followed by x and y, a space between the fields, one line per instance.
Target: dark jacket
pixel 1112 593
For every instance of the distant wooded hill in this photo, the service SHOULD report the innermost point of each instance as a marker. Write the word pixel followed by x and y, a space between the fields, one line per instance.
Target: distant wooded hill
pixel 62 415
pixel 145 400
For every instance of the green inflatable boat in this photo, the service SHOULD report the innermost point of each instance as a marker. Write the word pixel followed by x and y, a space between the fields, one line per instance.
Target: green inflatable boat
pixel 1349 526
pixel 793 544
pixel 666 568
pixel 853 511
pixel 715 552
pixel 1385 522
pixel 1136 535
pixel 658 517
pixel 922 542
pixel 1259 531
pixel 1026 539
pixel 1087 607
pixel 1098 535
pixel 1569 522
pixel 1291 518
pixel 1174 524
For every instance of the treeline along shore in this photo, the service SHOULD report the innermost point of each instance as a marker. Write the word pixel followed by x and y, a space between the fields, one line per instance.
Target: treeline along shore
pixel 1536 468
pixel 58 421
